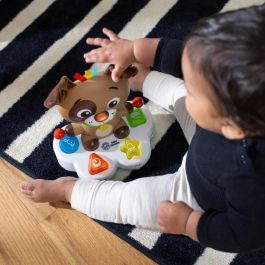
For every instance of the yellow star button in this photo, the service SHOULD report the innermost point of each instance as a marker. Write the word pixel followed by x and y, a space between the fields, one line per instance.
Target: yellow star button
pixel 131 148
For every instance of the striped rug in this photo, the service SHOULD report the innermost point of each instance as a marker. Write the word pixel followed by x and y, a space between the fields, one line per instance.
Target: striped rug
pixel 42 40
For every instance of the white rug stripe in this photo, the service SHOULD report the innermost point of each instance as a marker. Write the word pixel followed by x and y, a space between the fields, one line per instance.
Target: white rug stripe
pixel 146 19
pixel 13 92
pixel 214 257
pixel 23 19
pixel 236 4
pixel 30 138
pixel 145 237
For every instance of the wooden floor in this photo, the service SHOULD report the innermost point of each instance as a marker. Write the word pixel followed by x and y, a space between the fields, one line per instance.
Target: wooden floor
pixel 33 233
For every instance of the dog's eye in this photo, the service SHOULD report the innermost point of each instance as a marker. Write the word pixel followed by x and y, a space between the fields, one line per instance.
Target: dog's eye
pixel 81 110
pixel 113 102
pixel 84 113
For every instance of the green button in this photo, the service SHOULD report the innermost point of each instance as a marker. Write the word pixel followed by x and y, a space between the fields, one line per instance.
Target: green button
pixel 136 118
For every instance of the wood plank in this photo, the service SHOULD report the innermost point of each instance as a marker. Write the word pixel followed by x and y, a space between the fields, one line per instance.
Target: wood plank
pixel 13 178
pixel 107 246
pixel 22 241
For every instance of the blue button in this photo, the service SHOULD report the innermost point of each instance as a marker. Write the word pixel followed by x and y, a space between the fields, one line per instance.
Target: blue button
pixel 69 144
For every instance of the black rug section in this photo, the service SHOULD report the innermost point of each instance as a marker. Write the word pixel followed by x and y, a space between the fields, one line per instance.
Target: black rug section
pixel 59 18
pixel 9 10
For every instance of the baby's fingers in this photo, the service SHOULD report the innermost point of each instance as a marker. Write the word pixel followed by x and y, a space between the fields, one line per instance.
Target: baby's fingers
pixel 96 56
pixel 112 36
pixel 116 72
pixel 98 41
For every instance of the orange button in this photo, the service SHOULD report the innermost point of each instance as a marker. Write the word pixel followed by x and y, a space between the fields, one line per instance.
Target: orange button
pixel 97 164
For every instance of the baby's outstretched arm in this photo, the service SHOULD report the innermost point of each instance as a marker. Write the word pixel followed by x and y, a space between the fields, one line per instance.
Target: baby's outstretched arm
pixel 121 52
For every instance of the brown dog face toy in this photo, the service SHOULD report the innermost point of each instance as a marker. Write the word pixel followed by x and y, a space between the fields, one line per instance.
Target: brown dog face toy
pixel 94 107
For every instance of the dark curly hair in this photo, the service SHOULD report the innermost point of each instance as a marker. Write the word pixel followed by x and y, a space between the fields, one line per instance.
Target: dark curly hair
pixel 229 50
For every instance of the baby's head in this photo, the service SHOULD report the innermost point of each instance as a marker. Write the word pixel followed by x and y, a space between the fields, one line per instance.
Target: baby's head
pixel 224 69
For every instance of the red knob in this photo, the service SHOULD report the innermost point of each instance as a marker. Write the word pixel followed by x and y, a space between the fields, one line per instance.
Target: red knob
pixel 138 102
pixel 59 133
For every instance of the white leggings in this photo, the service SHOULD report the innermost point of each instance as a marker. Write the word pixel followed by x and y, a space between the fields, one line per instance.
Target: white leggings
pixel 136 202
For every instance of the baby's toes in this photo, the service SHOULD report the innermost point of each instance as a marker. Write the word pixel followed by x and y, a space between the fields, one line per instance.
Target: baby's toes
pixel 26 192
pixel 26 186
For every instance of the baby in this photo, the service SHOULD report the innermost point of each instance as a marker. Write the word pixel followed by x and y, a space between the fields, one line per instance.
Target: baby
pixel 217 196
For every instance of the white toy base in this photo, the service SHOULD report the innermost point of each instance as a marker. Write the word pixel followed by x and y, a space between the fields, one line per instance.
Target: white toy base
pixel 109 156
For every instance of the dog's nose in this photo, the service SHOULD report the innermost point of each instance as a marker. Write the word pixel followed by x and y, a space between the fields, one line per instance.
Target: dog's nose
pixel 102 116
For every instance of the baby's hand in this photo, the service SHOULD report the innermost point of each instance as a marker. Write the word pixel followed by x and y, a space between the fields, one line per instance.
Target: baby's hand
pixel 113 50
pixel 172 217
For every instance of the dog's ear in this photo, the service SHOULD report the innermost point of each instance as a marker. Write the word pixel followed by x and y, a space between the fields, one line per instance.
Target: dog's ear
pixel 127 73
pixel 131 71
pixel 109 69
pixel 59 92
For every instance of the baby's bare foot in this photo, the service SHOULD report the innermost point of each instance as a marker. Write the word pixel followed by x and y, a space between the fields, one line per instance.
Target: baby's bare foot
pixel 40 190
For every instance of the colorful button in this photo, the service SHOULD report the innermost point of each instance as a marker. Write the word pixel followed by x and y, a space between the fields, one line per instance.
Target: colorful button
pixel 69 144
pixel 138 102
pixel 91 72
pixel 136 118
pixel 97 164
pixel 131 148
pixel 59 133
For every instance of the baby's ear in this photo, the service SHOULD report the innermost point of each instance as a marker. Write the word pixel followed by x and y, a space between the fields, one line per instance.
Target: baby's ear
pixel 127 73
pixel 231 130
pixel 59 92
